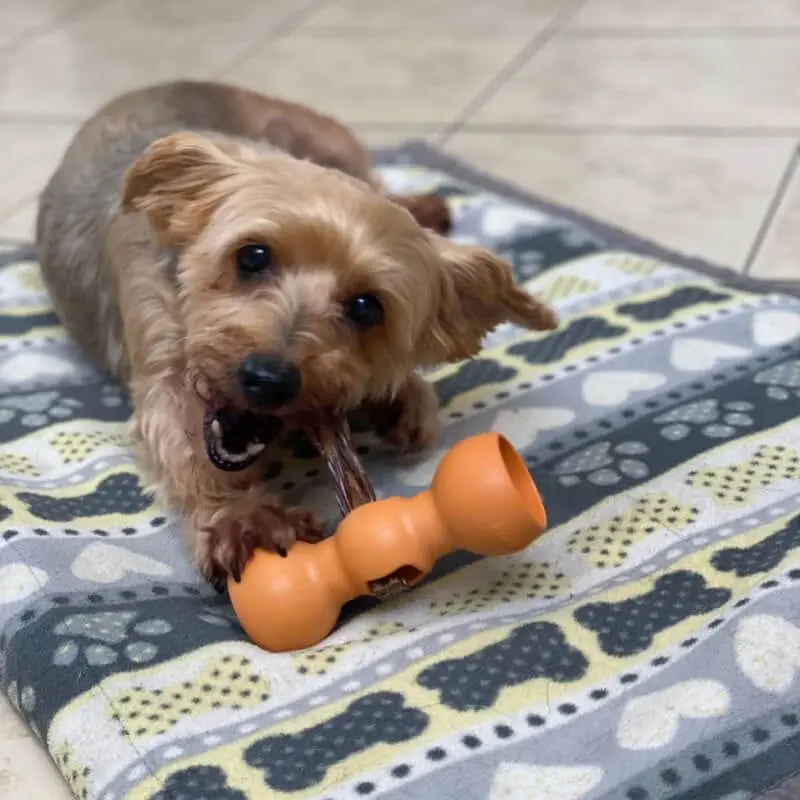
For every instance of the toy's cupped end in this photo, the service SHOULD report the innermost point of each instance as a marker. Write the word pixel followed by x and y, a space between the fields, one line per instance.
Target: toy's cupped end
pixel 518 473
pixel 486 498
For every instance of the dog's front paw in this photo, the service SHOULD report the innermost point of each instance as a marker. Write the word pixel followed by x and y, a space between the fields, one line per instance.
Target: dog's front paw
pixel 231 540
pixel 409 422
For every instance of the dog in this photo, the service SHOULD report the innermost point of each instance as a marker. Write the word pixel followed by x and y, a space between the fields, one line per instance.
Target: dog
pixel 232 259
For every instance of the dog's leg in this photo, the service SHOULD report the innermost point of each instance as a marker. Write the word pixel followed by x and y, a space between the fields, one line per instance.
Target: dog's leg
pixel 409 421
pixel 429 210
pixel 227 536
pixel 227 514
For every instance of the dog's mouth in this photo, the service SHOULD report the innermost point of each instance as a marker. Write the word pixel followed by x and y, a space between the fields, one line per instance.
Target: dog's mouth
pixel 234 439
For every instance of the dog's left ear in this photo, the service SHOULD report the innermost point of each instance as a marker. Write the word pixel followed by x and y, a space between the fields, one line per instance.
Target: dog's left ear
pixel 478 293
pixel 175 183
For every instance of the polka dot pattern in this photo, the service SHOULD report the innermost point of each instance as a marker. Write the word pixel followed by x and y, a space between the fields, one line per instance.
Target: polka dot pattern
pixel 321 660
pixel 608 544
pixel 563 286
pixel 77 447
pixel 739 484
pixel 229 683
pixel 520 581
pixel 15 464
pixel 75 774
pixel 635 266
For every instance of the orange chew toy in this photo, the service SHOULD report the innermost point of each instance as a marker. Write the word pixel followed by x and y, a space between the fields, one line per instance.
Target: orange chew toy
pixel 482 499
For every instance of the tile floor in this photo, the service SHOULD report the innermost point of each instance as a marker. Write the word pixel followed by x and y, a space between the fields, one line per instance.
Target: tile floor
pixel 678 119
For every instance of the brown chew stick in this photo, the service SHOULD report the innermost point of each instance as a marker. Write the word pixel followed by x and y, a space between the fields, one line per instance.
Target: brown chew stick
pixel 352 487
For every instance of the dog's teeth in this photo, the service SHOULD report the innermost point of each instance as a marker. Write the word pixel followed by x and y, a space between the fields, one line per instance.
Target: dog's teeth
pixel 252 449
pixel 236 458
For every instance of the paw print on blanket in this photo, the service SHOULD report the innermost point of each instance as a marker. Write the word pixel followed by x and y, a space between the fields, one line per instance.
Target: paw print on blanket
pixel 36 410
pixel 782 380
pixel 607 544
pixel 102 638
pixel 604 464
pixel 227 682
pixel 738 484
pixel 708 417
pixel 24 700
pixel 520 581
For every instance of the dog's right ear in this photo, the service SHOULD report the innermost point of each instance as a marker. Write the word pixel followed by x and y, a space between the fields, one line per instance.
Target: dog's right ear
pixel 176 184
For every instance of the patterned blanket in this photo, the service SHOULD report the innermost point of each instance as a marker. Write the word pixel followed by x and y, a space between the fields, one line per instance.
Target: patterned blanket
pixel 645 647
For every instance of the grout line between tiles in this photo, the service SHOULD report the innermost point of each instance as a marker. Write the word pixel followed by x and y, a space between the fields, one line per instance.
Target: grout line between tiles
pixel 510 129
pixel 682 32
pixel 399 31
pixel 50 25
pixel 279 30
pixel 563 14
pixel 567 32
pixel 772 209
pixel 539 129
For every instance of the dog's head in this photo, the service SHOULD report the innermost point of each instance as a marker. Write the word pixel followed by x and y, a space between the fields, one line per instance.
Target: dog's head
pixel 302 288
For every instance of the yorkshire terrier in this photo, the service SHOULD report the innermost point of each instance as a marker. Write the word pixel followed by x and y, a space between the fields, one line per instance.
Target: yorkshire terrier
pixel 233 259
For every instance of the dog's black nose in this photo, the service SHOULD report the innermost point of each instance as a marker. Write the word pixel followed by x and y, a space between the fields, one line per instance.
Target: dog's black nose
pixel 268 381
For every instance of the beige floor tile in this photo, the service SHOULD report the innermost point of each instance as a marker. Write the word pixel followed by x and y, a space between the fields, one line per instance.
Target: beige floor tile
pixel 406 79
pixel 687 14
pixel 447 17
pixel 655 81
pixel 393 137
pixel 779 256
pixel 20 224
pixel 29 152
pixel 20 18
pixel 123 44
pixel 26 771
pixel 702 196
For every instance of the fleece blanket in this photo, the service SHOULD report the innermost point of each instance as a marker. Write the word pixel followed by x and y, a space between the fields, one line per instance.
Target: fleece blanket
pixel 647 646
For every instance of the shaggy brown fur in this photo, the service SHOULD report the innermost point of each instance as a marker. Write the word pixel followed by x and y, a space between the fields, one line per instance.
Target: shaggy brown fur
pixel 194 230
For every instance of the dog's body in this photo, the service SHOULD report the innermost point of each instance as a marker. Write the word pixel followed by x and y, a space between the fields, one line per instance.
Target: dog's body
pixel 232 259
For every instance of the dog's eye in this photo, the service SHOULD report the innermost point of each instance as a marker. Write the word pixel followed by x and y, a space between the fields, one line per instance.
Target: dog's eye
pixel 253 259
pixel 365 310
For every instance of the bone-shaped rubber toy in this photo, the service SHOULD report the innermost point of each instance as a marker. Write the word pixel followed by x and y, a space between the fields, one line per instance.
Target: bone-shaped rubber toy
pixel 482 499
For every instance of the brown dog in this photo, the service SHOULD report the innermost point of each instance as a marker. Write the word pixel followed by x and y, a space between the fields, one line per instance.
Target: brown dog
pixel 231 257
